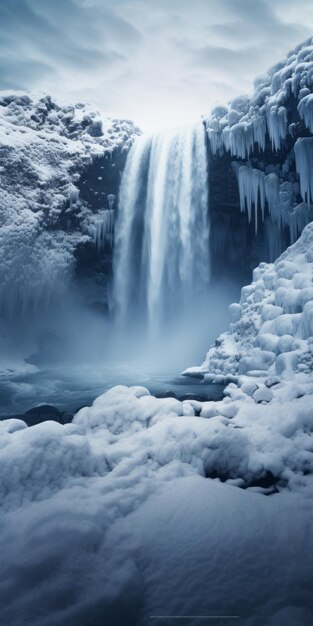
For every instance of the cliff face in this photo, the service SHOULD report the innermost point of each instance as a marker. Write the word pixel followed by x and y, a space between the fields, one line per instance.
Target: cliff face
pixel 59 177
pixel 261 165
pixel 263 147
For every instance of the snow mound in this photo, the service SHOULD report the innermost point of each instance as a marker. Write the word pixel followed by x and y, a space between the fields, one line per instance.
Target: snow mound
pixel 272 329
pixel 103 518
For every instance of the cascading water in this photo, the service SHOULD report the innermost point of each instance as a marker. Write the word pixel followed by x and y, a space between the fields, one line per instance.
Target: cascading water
pixel 161 261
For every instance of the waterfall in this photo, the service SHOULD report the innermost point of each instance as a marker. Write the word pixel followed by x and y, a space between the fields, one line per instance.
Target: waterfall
pixel 161 264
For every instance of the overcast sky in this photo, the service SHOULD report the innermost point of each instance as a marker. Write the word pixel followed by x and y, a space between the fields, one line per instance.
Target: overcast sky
pixel 159 62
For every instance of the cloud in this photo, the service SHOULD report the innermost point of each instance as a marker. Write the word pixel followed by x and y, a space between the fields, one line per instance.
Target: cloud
pixel 57 36
pixel 29 73
pixel 228 58
pixel 161 63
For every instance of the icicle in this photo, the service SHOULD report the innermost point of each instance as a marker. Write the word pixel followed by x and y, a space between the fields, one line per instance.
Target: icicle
pixel 286 198
pixel 304 164
pixel 74 195
pixel 259 131
pixel 251 190
pixel 273 239
pixel 276 125
pixel 271 184
pixel 215 138
pixel 298 220
pixel 239 139
pixel 305 108
pixel 104 229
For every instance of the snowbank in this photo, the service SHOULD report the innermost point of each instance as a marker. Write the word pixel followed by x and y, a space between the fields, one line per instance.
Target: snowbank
pixel 135 510
pixel 272 329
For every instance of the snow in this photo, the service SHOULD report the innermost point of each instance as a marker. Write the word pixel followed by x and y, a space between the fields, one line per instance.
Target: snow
pixel 304 163
pixel 115 516
pixel 274 318
pixel 44 149
pixel 305 108
pixel 266 122
pixel 145 506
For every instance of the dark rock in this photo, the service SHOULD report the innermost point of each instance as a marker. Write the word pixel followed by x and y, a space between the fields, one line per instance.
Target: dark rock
pixel 42 413
pixel 66 418
pixel 166 394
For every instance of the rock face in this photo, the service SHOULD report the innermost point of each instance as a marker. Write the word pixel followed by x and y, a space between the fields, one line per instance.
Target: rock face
pixel 264 148
pixel 271 337
pixel 261 165
pixel 60 175
pixel 60 172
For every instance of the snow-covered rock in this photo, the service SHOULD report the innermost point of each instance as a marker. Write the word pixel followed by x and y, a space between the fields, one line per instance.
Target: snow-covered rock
pixel 118 515
pixel 247 120
pixel 274 333
pixel 45 149
pixel 266 137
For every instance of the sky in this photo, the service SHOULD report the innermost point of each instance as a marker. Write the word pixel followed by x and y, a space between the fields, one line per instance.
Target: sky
pixel 161 63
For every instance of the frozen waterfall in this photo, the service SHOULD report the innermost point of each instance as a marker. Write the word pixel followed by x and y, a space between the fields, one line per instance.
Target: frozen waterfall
pixel 161 264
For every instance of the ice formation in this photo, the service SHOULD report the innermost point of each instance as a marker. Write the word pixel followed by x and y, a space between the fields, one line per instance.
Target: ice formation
pixel 245 123
pixel 262 123
pixel 305 108
pixel 161 258
pixel 115 517
pixel 103 517
pixel 276 118
pixel 44 149
pixel 104 228
pixel 304 164
pixel 259 191
pixel 251 191
pixel 272 334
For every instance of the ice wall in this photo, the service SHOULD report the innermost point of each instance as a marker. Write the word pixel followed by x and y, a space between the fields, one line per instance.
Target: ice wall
pixel 258 191
pixel 266 138
pixel 304 164
pixel 272 325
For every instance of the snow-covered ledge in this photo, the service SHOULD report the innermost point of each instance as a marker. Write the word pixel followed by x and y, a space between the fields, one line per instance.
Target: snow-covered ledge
pixel 272 329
